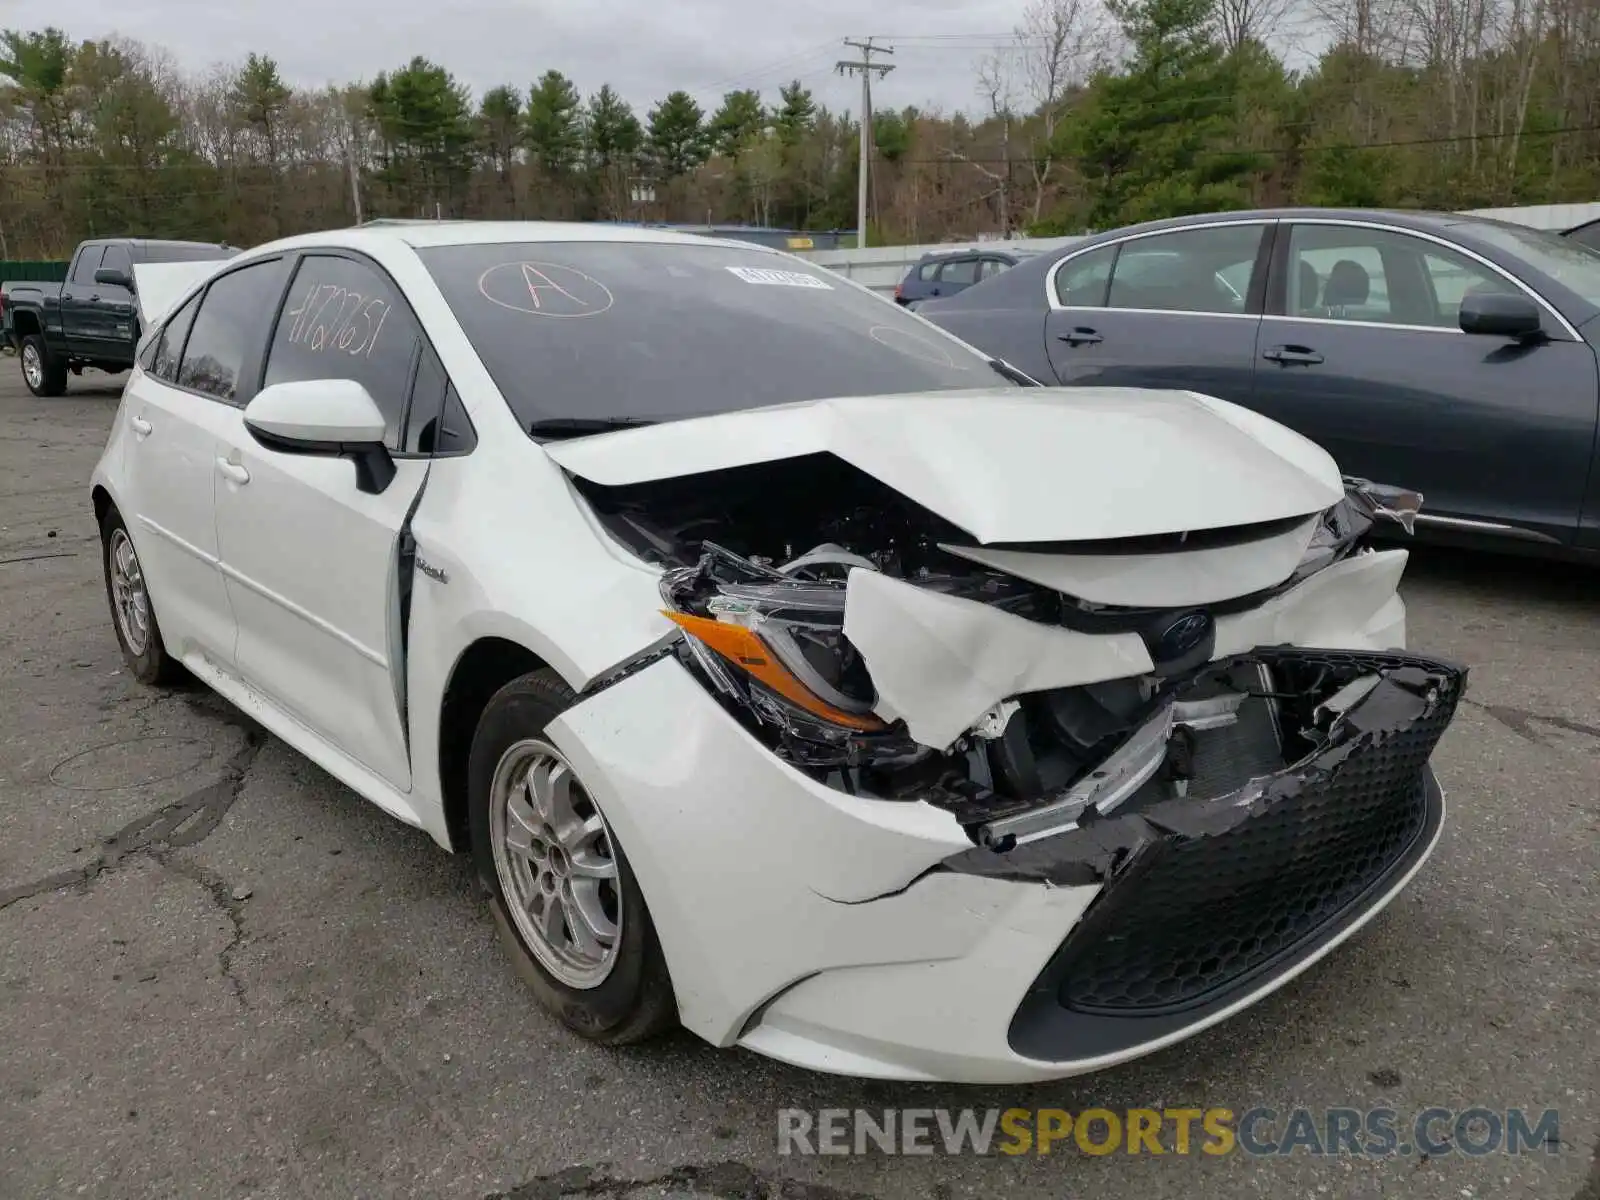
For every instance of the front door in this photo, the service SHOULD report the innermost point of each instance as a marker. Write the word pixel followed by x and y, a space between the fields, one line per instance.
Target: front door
pixel 1362 352
pixel 1168 310
pixel 312 563
pixel 77 317
pixel 108 317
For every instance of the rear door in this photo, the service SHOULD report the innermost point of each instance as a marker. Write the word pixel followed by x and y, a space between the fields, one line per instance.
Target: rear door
pixel 176 411
pixel 312 563
pixel 1174 309
pixel 1362 351
pixel 956 275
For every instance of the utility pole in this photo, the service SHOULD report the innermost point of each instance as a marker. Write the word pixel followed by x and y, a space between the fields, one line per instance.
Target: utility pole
pixel 355 177
pixel 865 67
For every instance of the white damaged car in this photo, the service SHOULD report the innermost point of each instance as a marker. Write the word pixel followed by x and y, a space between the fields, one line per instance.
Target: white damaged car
pixel 790 670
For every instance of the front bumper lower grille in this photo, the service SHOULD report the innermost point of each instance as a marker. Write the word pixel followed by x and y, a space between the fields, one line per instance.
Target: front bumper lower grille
pixel 1188 922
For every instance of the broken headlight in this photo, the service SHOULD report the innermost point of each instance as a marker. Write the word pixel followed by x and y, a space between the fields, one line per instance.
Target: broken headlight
pixel 774 645
pixel 1344 526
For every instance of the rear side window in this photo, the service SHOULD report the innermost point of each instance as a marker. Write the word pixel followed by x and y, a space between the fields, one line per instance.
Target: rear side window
pixel 1081 281
pixel 927 271
pixel 993 266
pixel 229 329
pixel 345 319
pixel 169 346
pixel 963 270
pixel 1188 270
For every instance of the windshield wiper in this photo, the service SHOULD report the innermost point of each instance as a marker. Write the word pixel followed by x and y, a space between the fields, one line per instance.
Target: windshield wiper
pixel 1011 373
pixel 558 427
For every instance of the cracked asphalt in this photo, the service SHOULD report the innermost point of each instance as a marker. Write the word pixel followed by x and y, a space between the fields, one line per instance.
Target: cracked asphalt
pixel 224 975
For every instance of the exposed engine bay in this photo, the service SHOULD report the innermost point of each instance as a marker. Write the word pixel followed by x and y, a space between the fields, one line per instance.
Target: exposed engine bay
pixel 758 563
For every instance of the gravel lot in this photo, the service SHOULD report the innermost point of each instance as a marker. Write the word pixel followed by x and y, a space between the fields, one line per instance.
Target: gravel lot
pixel 223 974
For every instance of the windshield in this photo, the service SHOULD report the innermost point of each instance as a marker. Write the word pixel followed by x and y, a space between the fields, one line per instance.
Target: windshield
pixel 641 331
pixel 1574 266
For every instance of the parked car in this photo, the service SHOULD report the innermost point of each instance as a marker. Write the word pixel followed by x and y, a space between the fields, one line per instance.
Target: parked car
pixel 785 669
pixel 1587 234
pixel 90 320
pixel 1454 353
pixel 946 272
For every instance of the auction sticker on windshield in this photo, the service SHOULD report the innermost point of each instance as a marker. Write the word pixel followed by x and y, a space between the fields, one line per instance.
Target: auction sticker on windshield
pixel 774 278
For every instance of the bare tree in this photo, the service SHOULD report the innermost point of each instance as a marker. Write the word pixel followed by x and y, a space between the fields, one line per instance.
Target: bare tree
pixel 1241 21
pixel 1061 43
pixel 1371 27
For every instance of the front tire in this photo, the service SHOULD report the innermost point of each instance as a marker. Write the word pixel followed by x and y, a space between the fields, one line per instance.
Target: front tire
pixel 44 374
pixel 564 899
pixel 132 614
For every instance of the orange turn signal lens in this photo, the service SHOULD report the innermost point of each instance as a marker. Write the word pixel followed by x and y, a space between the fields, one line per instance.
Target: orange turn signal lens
pixel 745 650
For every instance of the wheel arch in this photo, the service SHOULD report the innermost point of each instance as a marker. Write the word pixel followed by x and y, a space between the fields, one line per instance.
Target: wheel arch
pixel 481 670
pixel 100 495
pixel 24 323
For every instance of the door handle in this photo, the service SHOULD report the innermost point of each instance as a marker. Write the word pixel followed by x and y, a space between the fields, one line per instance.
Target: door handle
pixel 1081 336
pixel 141 427
pixel 232 470
pixel 1293 356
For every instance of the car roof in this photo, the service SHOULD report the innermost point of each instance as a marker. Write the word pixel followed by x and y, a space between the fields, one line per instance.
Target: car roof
pixel 425 234
pixel 958 251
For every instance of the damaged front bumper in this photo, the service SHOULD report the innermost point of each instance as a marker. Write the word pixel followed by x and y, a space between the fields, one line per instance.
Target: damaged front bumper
pixel 872 938
pixel 1206 897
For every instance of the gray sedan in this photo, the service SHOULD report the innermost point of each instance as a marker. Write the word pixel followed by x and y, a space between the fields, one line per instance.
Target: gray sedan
pixel 1452 354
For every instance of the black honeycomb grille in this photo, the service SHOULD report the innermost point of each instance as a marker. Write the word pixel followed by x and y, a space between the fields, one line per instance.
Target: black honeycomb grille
pixel 1196 916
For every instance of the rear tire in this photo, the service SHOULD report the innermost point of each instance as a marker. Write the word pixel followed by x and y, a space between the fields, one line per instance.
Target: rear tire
pixel 44 374
pixel 132 614
pixel 564 899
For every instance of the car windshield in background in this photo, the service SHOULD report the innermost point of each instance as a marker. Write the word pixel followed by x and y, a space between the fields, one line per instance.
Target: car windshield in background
pixel 1571 264
pixel 635 332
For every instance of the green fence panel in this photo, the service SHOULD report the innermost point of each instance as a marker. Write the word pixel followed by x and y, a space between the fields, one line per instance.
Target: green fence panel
pixel 38 271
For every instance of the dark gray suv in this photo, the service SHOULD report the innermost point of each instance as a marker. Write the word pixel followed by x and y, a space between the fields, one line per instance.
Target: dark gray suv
pixel 946 272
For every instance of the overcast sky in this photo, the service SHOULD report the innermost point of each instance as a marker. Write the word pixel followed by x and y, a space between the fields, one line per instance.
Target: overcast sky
pixel 643 48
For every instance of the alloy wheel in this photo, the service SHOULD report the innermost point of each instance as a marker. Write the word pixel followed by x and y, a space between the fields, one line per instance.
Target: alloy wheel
pixel 132 601
pixel 553 857
pixel 32 366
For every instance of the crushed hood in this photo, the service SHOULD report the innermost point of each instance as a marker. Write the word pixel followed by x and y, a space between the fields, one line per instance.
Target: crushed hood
pixel 1010 465
pixel 159 286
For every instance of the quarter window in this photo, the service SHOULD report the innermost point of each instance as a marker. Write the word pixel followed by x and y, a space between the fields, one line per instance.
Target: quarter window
pixel 169 346
pixel 1188 270
pixel 345 319
pixel 229 329
pixel 993 266
pixel 1375 276
pixel 1081 281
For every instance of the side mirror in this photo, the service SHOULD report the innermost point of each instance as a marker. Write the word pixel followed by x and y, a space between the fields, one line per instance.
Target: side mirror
pixel 114 277
pixel 1500 314
pixel 332 418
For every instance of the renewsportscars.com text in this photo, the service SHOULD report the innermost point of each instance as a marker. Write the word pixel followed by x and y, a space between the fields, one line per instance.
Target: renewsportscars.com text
pixel 1260 1131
